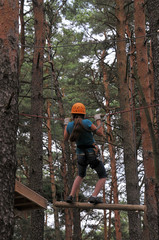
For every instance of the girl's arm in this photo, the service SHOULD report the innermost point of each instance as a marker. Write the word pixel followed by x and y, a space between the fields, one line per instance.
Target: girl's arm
pixel 99 131
pixel 66 135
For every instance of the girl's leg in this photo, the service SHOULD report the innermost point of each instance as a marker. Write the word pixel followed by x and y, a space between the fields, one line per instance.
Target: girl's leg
pixel 102 178
pixel 76 185
pixel 99 186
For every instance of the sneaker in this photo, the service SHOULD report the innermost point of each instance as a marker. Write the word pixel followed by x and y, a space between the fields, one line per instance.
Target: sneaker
pixel 95 200
pixel 70 199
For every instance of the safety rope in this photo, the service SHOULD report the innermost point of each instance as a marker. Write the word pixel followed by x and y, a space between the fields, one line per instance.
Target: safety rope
pixel 92 42
pixel 103 117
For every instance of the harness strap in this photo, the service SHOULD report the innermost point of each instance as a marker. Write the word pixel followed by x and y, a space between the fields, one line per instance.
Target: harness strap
pixel 85 146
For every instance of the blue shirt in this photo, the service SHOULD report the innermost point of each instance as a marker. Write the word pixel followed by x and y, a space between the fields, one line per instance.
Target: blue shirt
pixel 86 138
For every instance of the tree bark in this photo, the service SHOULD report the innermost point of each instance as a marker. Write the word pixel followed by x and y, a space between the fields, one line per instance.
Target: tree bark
pixel 111 151
pixel 83 205
pixel 105 216
pixel 36 156
pixel 76 213
pixel 127 128
pixel 22 35
pixel 76 225
pixel 8 113
pixel 143 73
pixel 52 177
pixel 66 159
pixel 153 14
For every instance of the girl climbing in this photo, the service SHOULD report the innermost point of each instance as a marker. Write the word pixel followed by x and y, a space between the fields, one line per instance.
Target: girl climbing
pixel 81 130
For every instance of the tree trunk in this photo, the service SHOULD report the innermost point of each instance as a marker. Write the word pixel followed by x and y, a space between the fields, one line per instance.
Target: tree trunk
pixel 114 180
pixel 8 113
pixel 68 212
pixel 126 125
pixel 143 73
pixel 52 177
pixel 151 76
pixel 22 34
pixel 76 225
pixel 105 216
pixel 110 215
pixel 67 175
pixel 76 212
pixel 36 159
pixel 111 152
pixel 153 14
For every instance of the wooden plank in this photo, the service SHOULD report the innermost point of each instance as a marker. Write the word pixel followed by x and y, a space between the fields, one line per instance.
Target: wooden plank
pixel 25 197
pixel 124 207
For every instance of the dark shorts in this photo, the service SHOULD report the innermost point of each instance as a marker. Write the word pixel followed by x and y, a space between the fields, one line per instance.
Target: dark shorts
pixel 89 158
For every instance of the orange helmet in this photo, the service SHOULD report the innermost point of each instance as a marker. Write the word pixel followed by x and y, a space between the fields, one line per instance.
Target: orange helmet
pixel 78 108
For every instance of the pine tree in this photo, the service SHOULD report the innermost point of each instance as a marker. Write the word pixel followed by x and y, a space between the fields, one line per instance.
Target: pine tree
pixel 143 74
pixel 36 150
pixel 8 114
pixel 126 124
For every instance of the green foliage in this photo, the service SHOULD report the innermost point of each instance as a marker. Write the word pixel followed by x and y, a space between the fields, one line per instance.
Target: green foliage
pixel 123 227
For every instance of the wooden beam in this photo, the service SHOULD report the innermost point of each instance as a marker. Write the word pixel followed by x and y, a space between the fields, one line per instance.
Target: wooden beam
pixel 124 207
pixel 26 198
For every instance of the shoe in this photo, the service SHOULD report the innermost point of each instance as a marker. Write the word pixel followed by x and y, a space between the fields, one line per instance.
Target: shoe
pixel 70 199
pixel 95 200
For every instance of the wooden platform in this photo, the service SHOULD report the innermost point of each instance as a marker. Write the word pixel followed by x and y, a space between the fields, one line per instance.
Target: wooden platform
pixel 27 199
pixel 82 205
